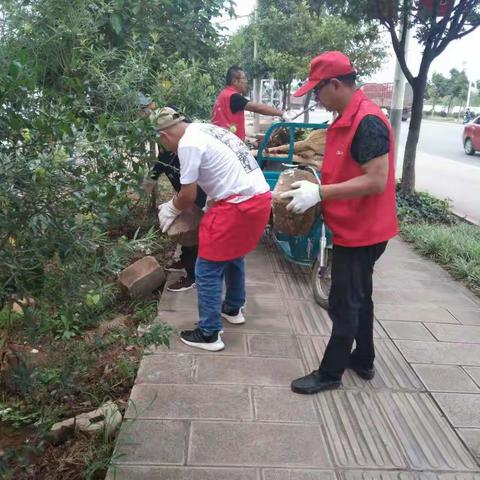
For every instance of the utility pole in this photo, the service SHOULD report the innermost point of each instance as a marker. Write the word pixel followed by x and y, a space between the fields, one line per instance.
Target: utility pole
pixel 398 94
pixel 256 80
pixel 469 93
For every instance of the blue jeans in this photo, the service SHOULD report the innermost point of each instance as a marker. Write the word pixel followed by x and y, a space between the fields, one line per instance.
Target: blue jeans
pixel 209 280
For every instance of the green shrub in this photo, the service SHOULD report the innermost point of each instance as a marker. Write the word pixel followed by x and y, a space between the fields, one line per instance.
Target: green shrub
pixel 423 207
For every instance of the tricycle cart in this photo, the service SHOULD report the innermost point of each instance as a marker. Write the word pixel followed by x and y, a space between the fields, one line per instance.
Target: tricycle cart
pixel 314 249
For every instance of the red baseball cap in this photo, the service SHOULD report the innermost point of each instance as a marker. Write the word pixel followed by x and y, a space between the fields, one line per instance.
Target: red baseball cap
pixel 325 66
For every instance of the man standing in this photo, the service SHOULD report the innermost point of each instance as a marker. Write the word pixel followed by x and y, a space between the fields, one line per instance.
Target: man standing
pixel 229 109
pixel 358 203
pixel 220 164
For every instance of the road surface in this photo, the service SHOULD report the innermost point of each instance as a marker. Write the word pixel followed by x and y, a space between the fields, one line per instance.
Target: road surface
pixel 443 169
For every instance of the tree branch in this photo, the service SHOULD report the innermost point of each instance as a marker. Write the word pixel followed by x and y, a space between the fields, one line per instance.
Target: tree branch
pixel 457 23
pixel 444 45
pixel 399 51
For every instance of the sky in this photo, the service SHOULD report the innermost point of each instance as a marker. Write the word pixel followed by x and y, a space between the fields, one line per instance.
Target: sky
pixel 460 54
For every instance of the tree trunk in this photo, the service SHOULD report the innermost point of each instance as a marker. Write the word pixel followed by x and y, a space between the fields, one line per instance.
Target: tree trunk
pixel 283 87
pixel 306 115
pixel 289 91
pixel 449 105
pixel 153 157
pixel 408 173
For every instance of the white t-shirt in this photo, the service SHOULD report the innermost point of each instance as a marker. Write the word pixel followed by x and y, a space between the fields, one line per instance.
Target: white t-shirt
pixel 219 162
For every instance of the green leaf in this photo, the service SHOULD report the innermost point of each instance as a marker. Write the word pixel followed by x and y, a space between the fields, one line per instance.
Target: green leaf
pixel 116 23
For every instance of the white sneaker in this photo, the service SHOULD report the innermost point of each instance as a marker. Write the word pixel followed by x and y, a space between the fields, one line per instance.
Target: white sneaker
pixel 195 338
pixel 237 319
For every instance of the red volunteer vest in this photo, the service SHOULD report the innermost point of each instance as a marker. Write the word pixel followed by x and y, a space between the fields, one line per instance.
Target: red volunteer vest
pixel 223 117
pixel 231 230
pixel 359 221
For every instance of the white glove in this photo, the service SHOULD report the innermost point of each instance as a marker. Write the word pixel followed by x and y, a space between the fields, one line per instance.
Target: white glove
pixel 305 195
pixel 167 213
pixel 286 116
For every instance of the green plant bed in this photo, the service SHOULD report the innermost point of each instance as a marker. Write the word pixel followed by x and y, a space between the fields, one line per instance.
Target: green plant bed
pixel 429 224
pixel 456 247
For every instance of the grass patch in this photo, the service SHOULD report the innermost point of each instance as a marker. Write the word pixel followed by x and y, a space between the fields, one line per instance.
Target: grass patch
pixel 429 224
pixel 456 247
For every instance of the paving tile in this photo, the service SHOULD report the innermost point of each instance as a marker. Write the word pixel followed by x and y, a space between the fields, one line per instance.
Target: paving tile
pixel 388 430
pixel 391 369
pixel 259 274
pixel 411 267
pixel 440 353
pixel 235 344
pixel 471 437
pixel 386 297
pixel 273 346
pixel 300 474
pixel 391 269
pixel 253 444
pixel 474 372
pixel 309 318
pixel 254 323
pixel 166 368
pixel 425 313
pixel 264 306
pixel 445 378
pixel 178 301
pixel 421 297
pixel 275 324
pixel 179 320
pixel 462 409
pixel 149 442
pixel 295 286
pixel 190 402
pixel 182 473
pixel 282 405
pixel 270 289
pixel 262 299
pixel 281 265
pixel 248 370
pixel 470 316
pixel 407 331
pixel 259 259
pixel 455 333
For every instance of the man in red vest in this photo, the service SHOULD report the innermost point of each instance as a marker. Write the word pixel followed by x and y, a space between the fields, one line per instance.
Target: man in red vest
pixel 357 197
pixel 229 109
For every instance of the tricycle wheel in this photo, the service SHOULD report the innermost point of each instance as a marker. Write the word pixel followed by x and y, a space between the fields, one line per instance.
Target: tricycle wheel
pixel 322 280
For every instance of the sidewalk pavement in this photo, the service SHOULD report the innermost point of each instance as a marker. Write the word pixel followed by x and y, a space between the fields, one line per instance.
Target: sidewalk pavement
pixel 195 415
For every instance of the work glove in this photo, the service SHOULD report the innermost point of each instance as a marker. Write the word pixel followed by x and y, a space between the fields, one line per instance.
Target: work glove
pixel 305 195
pixel 167 213
pixel 286 116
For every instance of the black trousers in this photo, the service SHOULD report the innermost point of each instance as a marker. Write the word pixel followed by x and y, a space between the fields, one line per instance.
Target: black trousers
pixel 188 258
pixel 351 309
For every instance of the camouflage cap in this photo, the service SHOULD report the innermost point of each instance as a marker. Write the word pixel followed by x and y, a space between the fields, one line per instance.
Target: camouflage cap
pixel 166 117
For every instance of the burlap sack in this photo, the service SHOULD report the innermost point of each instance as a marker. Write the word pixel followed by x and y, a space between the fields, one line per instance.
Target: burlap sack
pixel 289 223
pixel 184 230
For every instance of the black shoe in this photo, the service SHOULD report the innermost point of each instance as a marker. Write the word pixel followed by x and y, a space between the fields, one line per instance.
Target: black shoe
pixel 175 266
pixel 182 284
pixel 314 383
pixel 365 373
pixel 195 338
